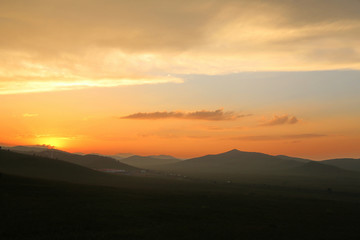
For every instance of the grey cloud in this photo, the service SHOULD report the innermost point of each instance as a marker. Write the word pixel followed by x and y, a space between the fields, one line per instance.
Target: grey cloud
pixel 52 26
pixel 79 37
pixel 217 115
pixel 58 25
pixel 280 120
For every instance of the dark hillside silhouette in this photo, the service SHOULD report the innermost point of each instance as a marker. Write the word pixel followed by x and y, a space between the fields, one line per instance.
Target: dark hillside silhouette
pixel 234 161
pixel 350 164
pixel 148 162
pixel 46 168
pixel 293 158
pixel 90 160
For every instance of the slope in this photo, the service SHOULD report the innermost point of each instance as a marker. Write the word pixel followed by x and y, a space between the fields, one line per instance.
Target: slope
pixel 148 162
pixel 344 163
pixel 234 162
pixel 46 168
pixel 88 160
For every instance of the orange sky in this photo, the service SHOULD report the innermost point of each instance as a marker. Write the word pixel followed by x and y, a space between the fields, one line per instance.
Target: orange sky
pixel 164 77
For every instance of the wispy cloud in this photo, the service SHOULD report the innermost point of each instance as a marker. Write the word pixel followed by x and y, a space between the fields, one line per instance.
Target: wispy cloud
pixel 280 120
pixel 217 115
pixel 31 86
pixel 279 137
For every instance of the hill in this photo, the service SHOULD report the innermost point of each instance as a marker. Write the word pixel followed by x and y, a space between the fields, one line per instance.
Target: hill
pixel 120 156
pixel 88 160
pixel 162 157
pixel 149 162
pixel 319 169
pixel 25 149
pixel 46 168
pixel 32 166
pixel 294 158
pixel 351 164
pixel 234 162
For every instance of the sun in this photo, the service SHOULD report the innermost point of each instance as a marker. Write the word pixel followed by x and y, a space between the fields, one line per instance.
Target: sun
pixel 52 142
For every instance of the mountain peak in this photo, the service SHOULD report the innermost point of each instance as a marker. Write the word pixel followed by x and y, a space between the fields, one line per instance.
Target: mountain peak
pixel 233 151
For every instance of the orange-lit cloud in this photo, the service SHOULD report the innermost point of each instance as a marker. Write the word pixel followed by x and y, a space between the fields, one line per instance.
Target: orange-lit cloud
pixel 280 120
pixel 96 44
pixel 217 115
pixel 31 86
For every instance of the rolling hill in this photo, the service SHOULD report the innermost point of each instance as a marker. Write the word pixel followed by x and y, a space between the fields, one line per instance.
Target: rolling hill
pixel 148 162
pixel 89 160
pixel 234 162
pixel 255 167
pixel 45 168
pixel 350 164
pixel 293 158
pixel 318 169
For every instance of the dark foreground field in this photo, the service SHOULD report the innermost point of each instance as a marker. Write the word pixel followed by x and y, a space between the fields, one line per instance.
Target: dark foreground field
pixel 41 209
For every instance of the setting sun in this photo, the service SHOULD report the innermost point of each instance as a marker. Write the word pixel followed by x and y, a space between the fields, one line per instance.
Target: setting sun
pixel 52 142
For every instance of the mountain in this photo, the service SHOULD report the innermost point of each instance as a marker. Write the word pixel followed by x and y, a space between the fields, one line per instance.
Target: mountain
pixel 294 158
pixel 148 162
pixel 89 160
pixel 41 167
pixel 351 164
pixel 35 148
pixel 234 162
pixel 120 156
pixel 320 170
pixel 163 157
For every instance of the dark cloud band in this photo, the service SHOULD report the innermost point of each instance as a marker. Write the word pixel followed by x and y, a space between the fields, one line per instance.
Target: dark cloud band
pixel 217 115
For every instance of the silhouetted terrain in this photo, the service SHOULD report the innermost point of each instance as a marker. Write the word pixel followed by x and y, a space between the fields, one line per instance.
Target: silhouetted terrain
pixel 163 157
pixel 46 168
pixel 38 209
pixel 87 160
pixel 259 168
pixel 293 158
pixel 319 169
pixel 52 169
pixel 25 149
pixel 344 163
pixel 160 207
pixel 235 161
pixel 148 162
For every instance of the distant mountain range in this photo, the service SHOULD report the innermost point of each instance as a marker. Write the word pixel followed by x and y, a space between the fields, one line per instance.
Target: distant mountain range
pixel 149 162
pixel 41 167
pixel 88 160
pixel 350 164
pixel 232 163
pixel 121 161
pixel 238 163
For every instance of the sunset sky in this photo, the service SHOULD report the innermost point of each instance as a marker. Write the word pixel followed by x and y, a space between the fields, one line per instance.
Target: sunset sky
pixel 184 78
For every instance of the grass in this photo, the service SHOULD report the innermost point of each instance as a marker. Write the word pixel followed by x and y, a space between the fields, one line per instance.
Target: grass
pixel 40 209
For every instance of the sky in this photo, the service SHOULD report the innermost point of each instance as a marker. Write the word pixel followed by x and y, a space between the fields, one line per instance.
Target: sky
pixel 184 78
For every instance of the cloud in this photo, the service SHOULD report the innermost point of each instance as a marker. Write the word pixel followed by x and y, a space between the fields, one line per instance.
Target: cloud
pixel 279 137
pixel 217 115
pixel 31 86
pixel 107 39
pixel 280 120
